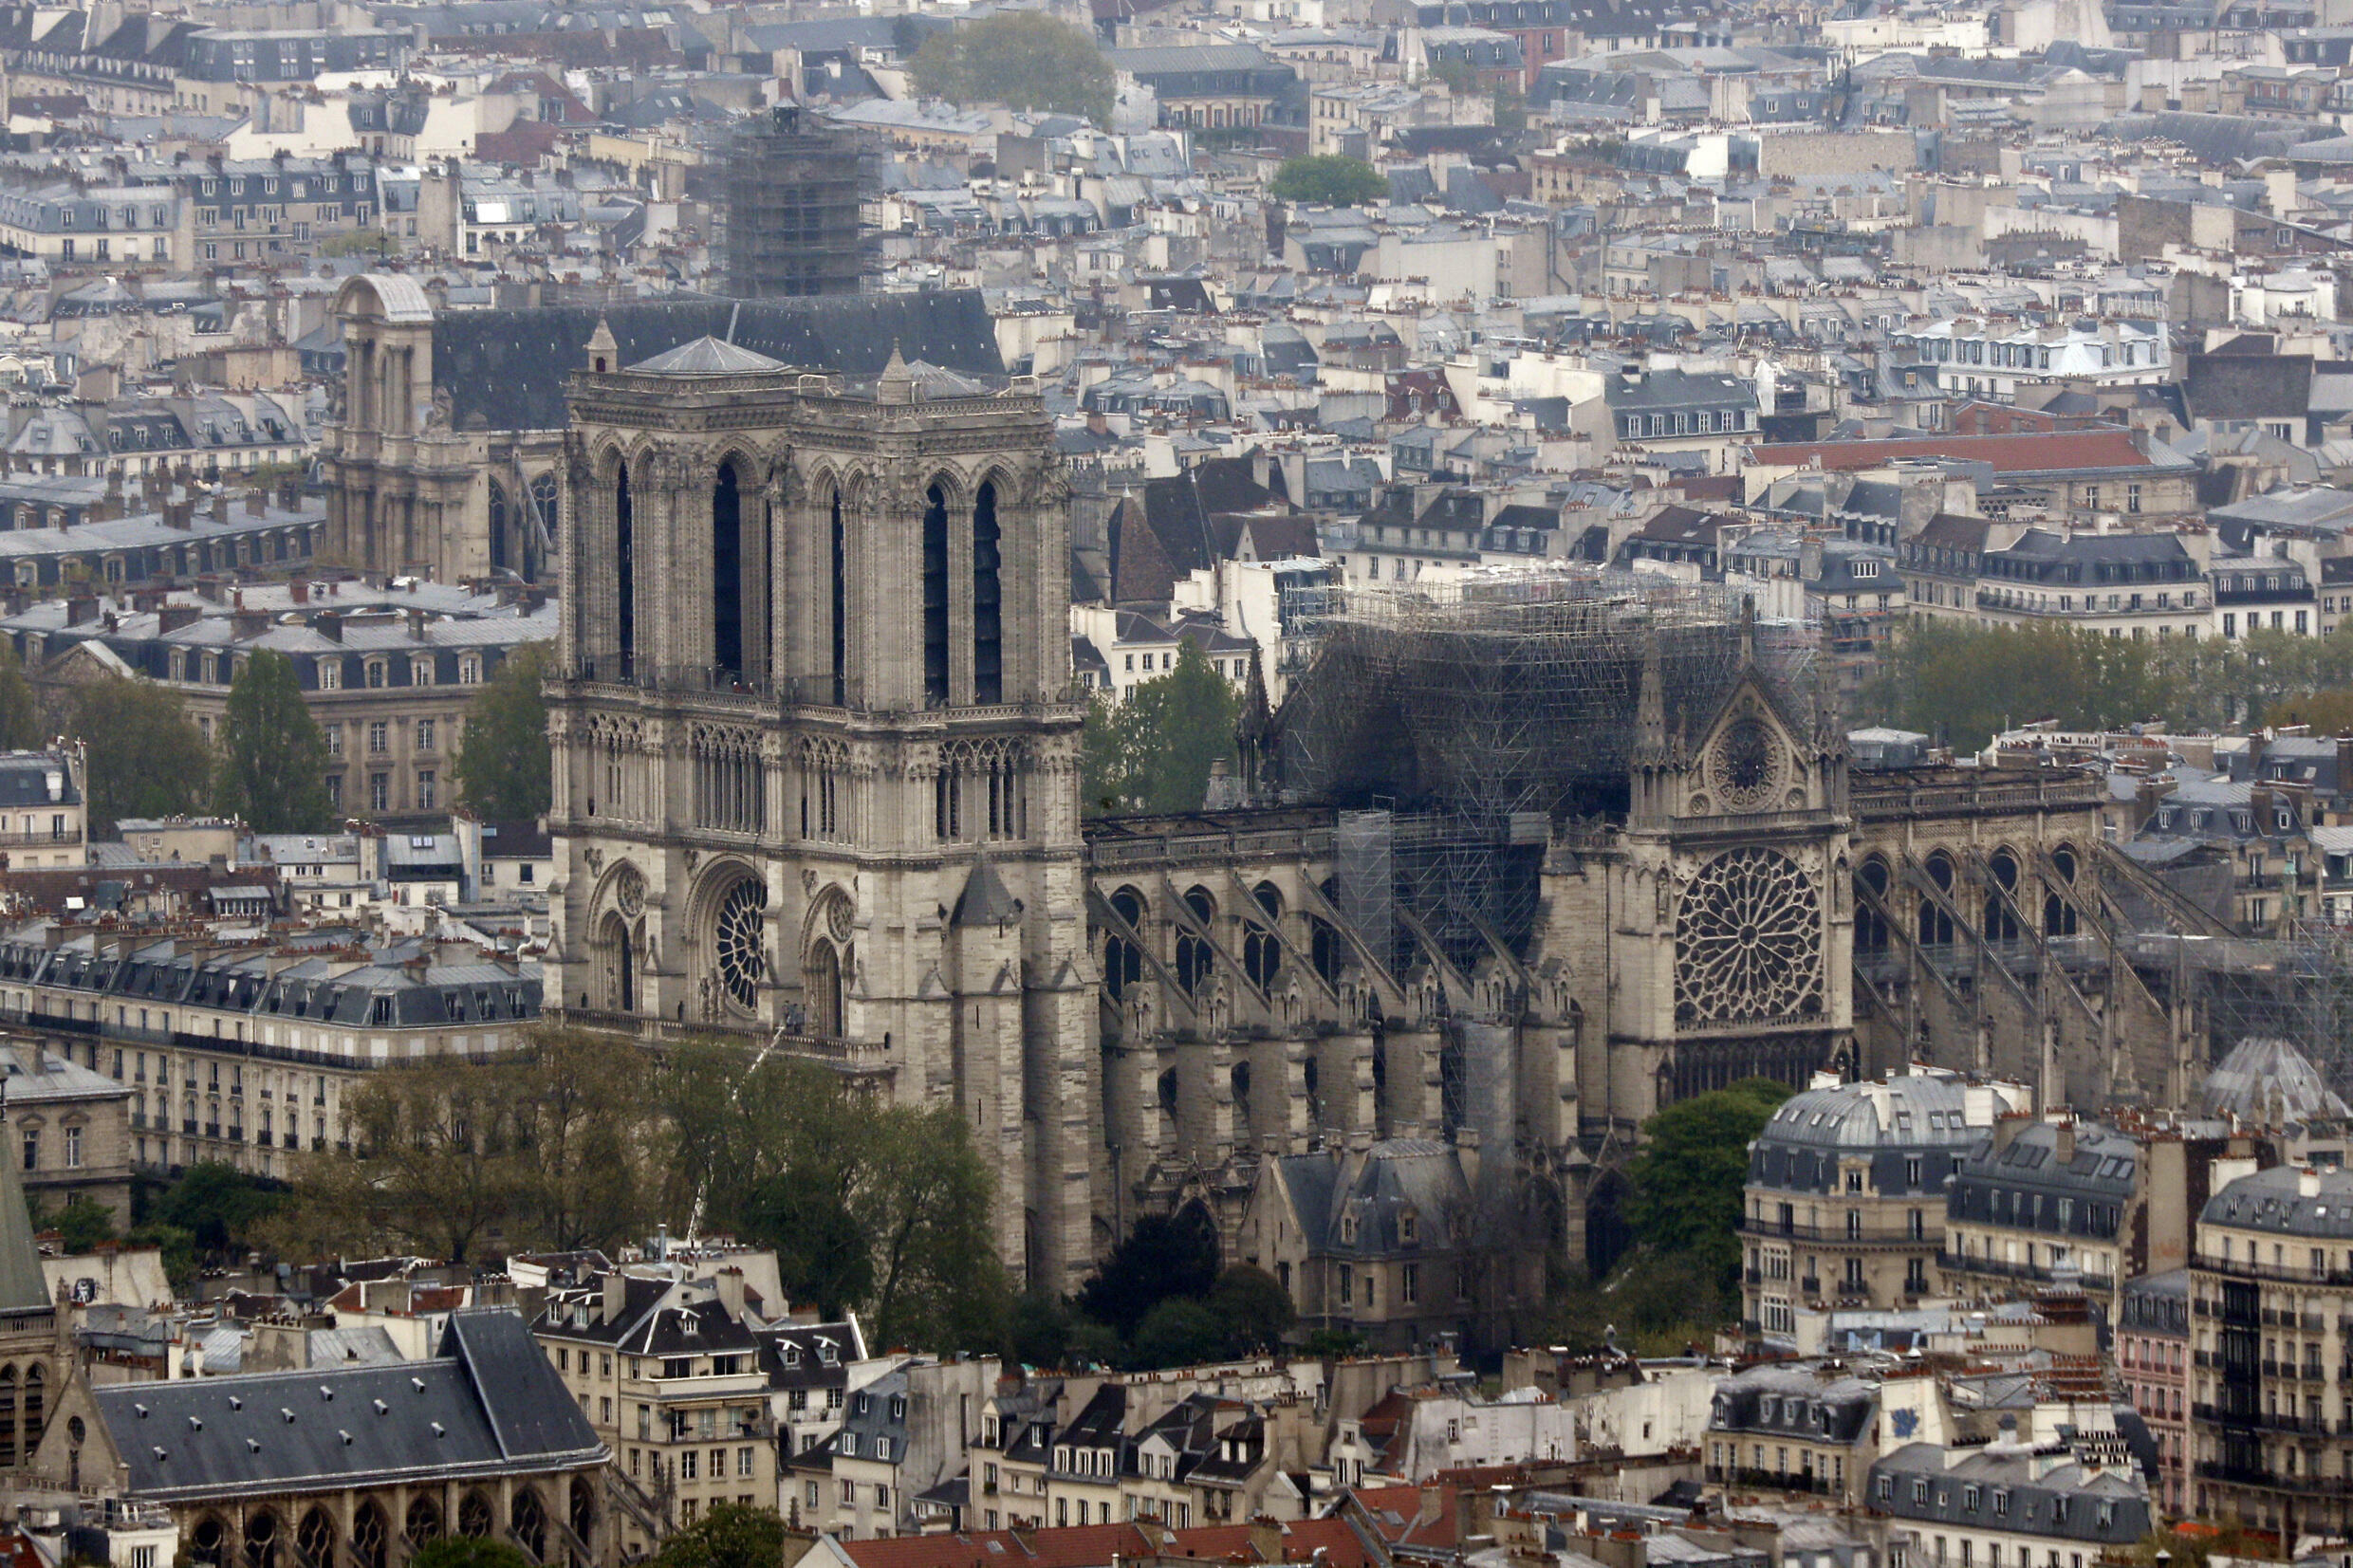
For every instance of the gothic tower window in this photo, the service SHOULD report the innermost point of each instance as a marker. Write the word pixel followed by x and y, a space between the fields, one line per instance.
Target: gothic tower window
pixel 727 573
pixel 838 619
pixel 988 622
pixel 936 599
pixel 624 569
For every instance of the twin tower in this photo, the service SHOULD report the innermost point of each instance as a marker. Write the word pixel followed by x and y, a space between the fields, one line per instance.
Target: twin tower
pixel 817 749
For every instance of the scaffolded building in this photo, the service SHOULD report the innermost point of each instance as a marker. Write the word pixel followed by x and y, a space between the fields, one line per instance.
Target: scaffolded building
pixel 792 198
pixel 1499 694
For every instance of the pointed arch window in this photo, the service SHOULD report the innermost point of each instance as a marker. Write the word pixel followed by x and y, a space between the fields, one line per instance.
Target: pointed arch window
pixel 988 611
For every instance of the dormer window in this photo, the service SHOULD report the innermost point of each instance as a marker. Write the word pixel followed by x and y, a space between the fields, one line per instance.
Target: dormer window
pixel 792 1355
pixel 1409 1226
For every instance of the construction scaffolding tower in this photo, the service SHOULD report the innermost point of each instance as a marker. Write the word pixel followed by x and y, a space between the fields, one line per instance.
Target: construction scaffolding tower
pixel 1496 694
pixel 793 188
pixel 2297 988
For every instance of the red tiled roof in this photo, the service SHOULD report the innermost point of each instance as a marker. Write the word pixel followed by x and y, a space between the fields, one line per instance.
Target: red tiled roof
pixel 1076 1546
pixel 2022 454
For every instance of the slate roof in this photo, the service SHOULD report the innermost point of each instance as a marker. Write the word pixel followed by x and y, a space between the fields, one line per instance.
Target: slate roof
pixel 707 356
pixel 2275 1200
pixel 486 1404
pixel 506 369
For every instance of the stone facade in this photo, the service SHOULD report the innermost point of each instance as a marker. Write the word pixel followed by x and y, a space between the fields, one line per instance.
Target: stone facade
pixel 817 784
pixel 816 752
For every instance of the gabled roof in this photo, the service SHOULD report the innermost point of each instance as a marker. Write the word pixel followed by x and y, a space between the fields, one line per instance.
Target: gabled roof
pixel 487 1403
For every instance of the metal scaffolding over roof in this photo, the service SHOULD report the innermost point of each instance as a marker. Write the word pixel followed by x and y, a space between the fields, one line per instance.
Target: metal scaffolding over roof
pixel 1494 693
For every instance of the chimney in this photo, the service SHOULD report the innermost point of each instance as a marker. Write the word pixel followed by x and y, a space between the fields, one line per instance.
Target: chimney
pixel 170 617
pixel 616 1295
pixel 220 506
pixel 298 589
pixel 328 624
pixel 256 501
pixel 80 607
pixel 730 1285
pixel 179 514
pixel 2063 1143
pixel 290 494
pixel 244 623
pixel 417 624
pixel 2256 743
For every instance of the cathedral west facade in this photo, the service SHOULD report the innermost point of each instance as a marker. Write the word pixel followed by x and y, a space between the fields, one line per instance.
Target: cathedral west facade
pixel 817 787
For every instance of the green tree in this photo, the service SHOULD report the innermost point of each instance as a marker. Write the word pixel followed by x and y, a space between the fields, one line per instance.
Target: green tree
pixel 730 1535
pixel 1686 1179
pixel 1024 60
pixel 502 757
pixel 81 1224
pixel 468 1552
pixel 556 1146
pixel 1329 179
pixel 1154 752
pixel 1254 1308
pixel 146 759
pixel 272 767
pixel 1181 1332
pixel 878 1207
pixel 20 717
pixel 221 1210
pixel 1165 1256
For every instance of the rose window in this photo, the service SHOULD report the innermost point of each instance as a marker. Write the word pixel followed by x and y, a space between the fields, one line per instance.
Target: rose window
pixel 742 930
pixel 1748 942
pixel 1745 765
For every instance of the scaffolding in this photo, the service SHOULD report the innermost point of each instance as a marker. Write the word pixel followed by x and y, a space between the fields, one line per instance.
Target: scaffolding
pixel 1495 695
pixel 2296 987
pixel 793 189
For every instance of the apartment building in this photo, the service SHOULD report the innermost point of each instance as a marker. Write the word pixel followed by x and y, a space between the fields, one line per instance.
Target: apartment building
pixel 242 1053
pixel 1844 1200
pixel 2270 1288
pixel 668 1371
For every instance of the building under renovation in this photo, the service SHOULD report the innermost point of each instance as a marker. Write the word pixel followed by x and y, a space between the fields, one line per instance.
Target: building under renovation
pixel 1523 857
pixel 792 190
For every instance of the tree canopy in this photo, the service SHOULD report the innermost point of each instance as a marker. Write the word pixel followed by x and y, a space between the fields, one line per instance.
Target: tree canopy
pixel 146 758
pixel 871 1205
pixel 1024 60
pixel 20 716
pixel 502 757
pixel 1687 1176
pixel 581 1139
pixel 1965 683
pixel 730 1535
pixel 1154 751
pixel 548 1147
pixel 1329 179
pixel 272 767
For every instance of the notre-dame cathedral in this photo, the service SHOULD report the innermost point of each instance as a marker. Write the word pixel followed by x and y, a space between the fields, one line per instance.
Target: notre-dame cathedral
pixel 816 786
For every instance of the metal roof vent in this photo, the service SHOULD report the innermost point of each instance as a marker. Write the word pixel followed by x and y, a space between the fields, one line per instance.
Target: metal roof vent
pixel 418 1383
pixel 235 1403
pixel 326 1394
pixel 288 1413
pixel 344 1435
pixel 438 1430
pixel 251 1446
pixel 381 1406
pixel 141 1409
pixel 194 1424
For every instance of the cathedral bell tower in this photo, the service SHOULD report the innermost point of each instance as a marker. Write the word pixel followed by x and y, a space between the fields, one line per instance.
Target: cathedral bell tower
pixel 816 747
